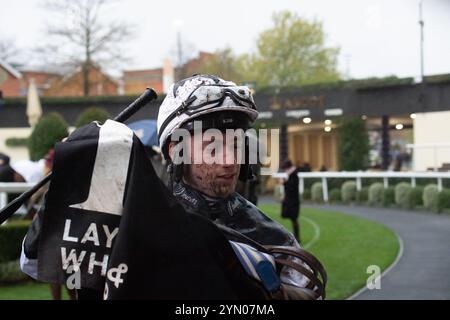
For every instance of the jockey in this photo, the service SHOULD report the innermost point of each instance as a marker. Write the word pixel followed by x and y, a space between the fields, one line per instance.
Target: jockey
pixel 208 187
pixel 197 113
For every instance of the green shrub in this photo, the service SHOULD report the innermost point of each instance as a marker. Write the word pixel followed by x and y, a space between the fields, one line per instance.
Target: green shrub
pixel 317 192
pixel 430 197
pixel 334 195
pixel 353 144
pixel 278 192
pixel 362 196
pixel 309 182
pixel 50 129
pixel 443 200
pixel 11 236
pixel 415 197
pixel 92 114
pixel 10 272
pixel 402 191
pixel 348 191
pixel 334 183
pixel 306 194
pixel 376 191
pixel 388 196
pixel 16 142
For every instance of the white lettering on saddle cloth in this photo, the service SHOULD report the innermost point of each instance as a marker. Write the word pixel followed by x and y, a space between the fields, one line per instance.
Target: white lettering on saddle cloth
pixel 75 259
pixel 109 175
pixel 91 234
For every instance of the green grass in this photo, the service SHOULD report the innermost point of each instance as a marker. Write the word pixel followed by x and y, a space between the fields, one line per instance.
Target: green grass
pixel 346 247
pixel 29 291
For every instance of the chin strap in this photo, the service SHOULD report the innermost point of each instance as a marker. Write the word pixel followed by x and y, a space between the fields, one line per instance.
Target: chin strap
pixel 175 174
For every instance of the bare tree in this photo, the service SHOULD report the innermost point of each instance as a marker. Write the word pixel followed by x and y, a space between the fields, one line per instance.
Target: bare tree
pixel 182 52
pixel 9 52
pixel 80 36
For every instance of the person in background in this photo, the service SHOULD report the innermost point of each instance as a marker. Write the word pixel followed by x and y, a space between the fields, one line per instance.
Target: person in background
pixel 306 167
pixel 31 171
pixel 37 198
pixel 290 207
pixel 249 188
pixel 253 184
pixel 8 174
pixel 4 159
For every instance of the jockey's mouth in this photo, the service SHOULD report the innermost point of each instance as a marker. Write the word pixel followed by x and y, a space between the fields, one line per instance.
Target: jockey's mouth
pixel 228 176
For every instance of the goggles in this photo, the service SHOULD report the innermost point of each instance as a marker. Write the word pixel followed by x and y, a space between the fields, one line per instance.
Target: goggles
pixel 207 97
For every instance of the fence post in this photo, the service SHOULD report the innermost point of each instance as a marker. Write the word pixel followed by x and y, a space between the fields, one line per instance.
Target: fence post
pixel 439 183
pixel 385 182
pixel 413 182
pixel 301 185
pixel 358 183
pixel 3 199
pixel 325 189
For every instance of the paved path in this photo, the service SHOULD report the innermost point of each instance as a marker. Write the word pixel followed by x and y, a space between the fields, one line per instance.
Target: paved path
pixel 423 271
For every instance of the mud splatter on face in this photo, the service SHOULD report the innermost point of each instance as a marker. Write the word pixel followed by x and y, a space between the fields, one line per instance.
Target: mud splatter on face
pixel 214 180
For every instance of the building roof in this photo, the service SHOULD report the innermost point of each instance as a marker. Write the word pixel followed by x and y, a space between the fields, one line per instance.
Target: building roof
pixel 42 79
pixel 143 75
pixel 13 71
pixel 94 66
pixel 144 71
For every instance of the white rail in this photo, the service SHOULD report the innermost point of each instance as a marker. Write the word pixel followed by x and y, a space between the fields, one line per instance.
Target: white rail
pixel 12 187
pixel 359 175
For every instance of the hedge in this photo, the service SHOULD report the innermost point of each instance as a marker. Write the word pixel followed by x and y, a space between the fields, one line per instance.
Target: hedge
pixel 443 200
pixel 353 144
pixel 430 197
pixel 362 196
pixel 50 129
pixel 348 191
pixel 402 191
pixel 317 192
pixel 278 192
pixel 11 237
pixel 376 191
pixel 334 195
pixel 388 196
pixel 16 142
pixel 10 272
pixel 415 197
pixel 306 194
pixel 92 114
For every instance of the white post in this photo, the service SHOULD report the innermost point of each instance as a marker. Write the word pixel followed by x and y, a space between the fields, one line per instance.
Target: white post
pixel 385 182
pixel 413 182
pixel 325 189
pixel 3 199
pixel 301 185
pixel 439 183
pixel 358 183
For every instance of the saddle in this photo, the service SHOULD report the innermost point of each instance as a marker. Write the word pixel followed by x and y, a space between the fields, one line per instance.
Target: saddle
pixel 282 258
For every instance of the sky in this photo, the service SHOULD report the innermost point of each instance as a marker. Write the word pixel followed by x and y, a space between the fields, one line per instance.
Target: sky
pixel 376 37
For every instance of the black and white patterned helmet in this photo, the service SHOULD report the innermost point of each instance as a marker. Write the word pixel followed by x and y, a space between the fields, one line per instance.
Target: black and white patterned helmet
pixel 201 95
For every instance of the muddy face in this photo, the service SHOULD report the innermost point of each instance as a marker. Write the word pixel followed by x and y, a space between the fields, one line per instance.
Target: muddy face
pixel 217 179
pixel 212 179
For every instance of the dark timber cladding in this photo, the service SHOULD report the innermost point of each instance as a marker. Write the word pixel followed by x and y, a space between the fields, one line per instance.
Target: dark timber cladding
pixel 323 103
pixel 282 107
